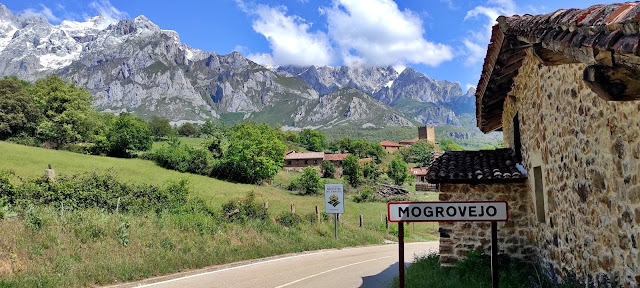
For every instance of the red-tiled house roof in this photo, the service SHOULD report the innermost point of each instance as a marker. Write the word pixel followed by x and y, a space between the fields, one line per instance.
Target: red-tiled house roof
pixel 409 141
pixel 335 157
pixel 475 167
pixel 302 156
pixel 418 171
pixel 389 144
pixel 603 36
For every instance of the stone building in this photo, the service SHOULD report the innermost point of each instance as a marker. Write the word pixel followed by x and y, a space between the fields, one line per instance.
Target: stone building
pixel 299 160
pixel 390 147
pixel 562 87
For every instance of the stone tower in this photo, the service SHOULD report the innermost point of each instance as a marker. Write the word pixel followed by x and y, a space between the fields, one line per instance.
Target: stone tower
pixel 427 133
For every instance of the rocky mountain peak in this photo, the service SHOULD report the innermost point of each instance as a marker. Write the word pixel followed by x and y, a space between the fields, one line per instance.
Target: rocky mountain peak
pixel 5 13
pixel 471 92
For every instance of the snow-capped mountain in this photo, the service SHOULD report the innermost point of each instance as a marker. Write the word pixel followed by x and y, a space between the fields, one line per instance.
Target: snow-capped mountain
pixel 135 66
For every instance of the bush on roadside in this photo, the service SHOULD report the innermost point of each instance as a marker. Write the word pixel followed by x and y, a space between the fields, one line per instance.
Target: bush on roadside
pixel 94 190
pixel 247 208
pixel 288 219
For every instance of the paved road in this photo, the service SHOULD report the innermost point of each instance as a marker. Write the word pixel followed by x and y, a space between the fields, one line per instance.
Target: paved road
pixel 371 266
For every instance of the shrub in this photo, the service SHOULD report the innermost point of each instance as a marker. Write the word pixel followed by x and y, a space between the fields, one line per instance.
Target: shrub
pixel 184 158
pixel 328 169
pixel 288 219
pixel 309 181
pixel 101 190
pixel 248 208
pixel 366 195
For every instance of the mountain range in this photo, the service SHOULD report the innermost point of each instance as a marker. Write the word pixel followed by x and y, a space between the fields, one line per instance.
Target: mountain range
pixel 134 66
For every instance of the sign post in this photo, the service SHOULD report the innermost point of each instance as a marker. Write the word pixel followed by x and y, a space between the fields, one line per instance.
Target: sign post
pixel 334 203
pixel 473 211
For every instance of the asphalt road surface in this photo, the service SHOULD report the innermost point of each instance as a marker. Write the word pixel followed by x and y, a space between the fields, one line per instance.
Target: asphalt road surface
pixel 372 266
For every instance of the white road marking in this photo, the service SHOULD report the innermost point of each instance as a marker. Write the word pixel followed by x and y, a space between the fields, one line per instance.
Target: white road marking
pixel 232 268
pixel 330 270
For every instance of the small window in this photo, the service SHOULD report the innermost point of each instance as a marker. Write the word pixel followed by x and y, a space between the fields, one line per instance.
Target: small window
pixel 306 161
pixel 289 162
pixel 315 161
pixel 537 176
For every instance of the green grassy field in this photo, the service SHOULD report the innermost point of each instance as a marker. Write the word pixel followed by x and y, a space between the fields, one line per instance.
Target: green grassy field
pixel 30 162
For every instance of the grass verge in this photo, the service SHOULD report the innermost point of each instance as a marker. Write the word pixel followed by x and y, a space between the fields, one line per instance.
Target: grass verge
pixel 475 272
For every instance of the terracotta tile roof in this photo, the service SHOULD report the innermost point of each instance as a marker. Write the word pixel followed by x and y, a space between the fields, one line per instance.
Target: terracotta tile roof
pixel 335 157
pixel 389 144
pixel 311 155
pixel 564 36
pixel 418 171
pixel 476 167
pixel 365 160
pixel 409 141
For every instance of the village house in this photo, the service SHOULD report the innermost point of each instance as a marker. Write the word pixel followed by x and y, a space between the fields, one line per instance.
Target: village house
pixel 562 88
pixel 390 147
pixel 298 160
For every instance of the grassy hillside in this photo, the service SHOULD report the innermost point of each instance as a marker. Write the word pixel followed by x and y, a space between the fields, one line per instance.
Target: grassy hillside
pixel 30 162
pixel 52 247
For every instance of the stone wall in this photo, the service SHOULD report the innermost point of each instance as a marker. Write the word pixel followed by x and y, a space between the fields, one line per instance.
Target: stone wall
pixel 514 236
pixel 588 150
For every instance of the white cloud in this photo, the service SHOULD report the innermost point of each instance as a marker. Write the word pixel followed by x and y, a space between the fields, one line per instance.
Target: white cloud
pixel 450 4
pixel 263 59
pixel 477 40
pixel 110 13
pixel 377 33
pixel 44 11
pixel 290 40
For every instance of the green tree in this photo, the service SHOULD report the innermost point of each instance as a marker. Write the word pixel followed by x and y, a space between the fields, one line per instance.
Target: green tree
pixel 255 153
pixel 328 169
pixel 376 151
pixel 449 145
pixel 370 171
pixel 188 130
pixel 18 111
pixel 419 153
pixel 208 128
pixel 351 170
pixel 160 127
pixel 127 134
pixel 309 181
pixel 315 140
pixel 359 147
pixel 398 171
pixel 67 110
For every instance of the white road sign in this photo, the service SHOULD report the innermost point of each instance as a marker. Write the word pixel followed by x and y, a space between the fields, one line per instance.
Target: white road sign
pixel 333 198
pixel 479 211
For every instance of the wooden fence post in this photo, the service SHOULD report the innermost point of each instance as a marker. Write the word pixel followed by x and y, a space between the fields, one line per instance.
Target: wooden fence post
pixel 361 220
pixel 386 223
pixel 293 208
pixel 317 213
pixel 266 204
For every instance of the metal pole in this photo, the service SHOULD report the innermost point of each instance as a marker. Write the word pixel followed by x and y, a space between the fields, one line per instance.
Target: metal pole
pixel 335 225
pixel 401 254
pixel 494 255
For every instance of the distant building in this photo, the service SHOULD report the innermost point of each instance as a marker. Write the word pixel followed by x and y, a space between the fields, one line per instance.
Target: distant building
pixel 336 159
pixel 300 160
pixel 390 147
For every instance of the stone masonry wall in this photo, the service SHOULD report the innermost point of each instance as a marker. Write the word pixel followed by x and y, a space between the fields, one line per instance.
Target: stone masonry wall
pixel 514 236
pixel 589 153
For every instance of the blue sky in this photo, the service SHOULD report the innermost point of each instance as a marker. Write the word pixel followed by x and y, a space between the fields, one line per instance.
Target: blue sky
pixel 444 39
